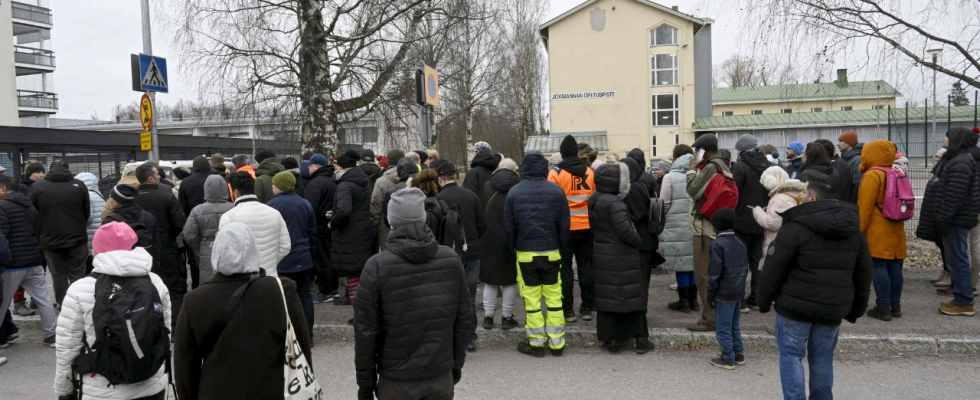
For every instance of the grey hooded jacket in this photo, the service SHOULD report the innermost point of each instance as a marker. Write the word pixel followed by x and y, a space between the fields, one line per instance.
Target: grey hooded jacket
pixel 95 201
pixel 202 225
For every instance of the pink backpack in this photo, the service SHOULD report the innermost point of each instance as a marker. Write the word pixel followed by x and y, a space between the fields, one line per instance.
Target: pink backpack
pixel 899 204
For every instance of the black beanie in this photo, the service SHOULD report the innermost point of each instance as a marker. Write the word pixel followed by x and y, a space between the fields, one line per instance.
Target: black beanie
pixel 422 156
pixel 348 159
pixel 182 173
pixel 289 163
pixel 723 219
pixel 124 194
pixel 33 169
pixel 568 148
pixel 264 154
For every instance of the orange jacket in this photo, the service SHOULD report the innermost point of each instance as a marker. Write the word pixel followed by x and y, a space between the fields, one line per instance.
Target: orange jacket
pixel 886 238
pixel 577 189
pixel 247 168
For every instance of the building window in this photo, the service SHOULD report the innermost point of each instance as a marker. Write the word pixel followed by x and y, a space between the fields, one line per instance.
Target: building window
pixel 756 112
pixel 727 113
pixel 664 68
pixel 677 139
pixel 786 111
pixel 846 108
pixel 665 110
pixel 653 145
pixel 664 35
pixel 877 107
pixel 816 109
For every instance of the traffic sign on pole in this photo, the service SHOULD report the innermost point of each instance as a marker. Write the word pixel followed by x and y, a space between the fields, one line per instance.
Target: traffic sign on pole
pixel 146 112
pixel 431 86
pixel 149 73
pixel 146 141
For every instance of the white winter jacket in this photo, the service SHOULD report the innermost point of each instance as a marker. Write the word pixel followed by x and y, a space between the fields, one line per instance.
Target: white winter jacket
pixel 271 233
pixel 76 315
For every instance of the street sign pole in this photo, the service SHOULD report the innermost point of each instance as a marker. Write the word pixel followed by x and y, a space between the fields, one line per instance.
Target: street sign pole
pixel 153 154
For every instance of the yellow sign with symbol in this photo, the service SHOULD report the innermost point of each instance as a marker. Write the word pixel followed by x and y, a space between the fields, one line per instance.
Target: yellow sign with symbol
pixel 431 86
pixel 146 112
pixel 146 141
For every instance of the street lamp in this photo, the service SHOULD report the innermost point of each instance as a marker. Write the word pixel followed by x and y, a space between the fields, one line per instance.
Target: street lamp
pixel 935 102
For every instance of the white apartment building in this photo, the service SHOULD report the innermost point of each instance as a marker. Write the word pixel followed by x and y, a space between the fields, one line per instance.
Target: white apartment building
pixel 27 63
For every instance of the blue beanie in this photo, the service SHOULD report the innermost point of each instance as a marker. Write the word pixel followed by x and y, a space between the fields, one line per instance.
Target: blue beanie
pixel 319 159
pixel 797 147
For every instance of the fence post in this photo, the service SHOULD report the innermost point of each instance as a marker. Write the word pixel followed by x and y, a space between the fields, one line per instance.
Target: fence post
pixel 949 112
pixel 907 128
pixel 925 127
pixel 890 123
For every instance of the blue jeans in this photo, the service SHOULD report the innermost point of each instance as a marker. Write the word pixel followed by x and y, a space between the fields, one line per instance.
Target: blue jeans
pixel 729 332
pixel 888 281
pixel 472 269
pixel 684 278
pixel 815 342
pixel 957 247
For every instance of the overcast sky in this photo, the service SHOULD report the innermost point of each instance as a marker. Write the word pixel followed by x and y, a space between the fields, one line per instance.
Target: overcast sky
pixel 93 39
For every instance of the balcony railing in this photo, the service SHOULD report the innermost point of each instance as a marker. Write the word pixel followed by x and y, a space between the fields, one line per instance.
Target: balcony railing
pixel 28 55
pixel 31 13
pixel 32 99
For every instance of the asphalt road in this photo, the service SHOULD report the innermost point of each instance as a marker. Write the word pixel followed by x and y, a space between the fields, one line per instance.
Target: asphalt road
pixel 496 374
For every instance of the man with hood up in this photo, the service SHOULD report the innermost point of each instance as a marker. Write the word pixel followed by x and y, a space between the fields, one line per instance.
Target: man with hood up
pixel 748 173
pixel 191 192
pixel 850 151
pixel 202 225
pixel 577 180
pixel 63 211
pixel 353 238
pixel 952 199
pixel 388 179
pixel 268 168
pixel 536 219
pixel 650 181
pixel 370 166
pixel 229 372
pixel 481 169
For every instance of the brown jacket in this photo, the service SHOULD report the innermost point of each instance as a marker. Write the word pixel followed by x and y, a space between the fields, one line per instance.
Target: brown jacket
pixel 247 360
pixel 129 180
pixel 886 238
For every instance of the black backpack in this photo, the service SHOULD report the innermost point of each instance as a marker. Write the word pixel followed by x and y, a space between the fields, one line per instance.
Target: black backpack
pixel 446 225
pixel 144 236
pixel 131 336
pixel 658 216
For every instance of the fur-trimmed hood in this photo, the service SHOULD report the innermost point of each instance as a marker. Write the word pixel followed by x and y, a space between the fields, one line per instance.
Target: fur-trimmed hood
pixel 790 186
pixel 613 179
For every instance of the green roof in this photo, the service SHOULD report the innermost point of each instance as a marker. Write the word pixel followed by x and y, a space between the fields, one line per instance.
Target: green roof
pixel 829 118
pixel 797 92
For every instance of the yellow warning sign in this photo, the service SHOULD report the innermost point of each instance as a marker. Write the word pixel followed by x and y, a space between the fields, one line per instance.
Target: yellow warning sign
pixel 146 112
pixel 146 141
pixel 431 86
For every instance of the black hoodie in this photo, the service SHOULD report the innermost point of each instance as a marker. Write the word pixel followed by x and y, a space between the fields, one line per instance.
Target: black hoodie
pixel 353 239
pixel 957 184
pixel 320 193
pixel 638 203
pixel 497 261
pixel 842 193
pixel 651 182
pixel 747 173
pixel 482 167
pixel 63 209
pixel 819 268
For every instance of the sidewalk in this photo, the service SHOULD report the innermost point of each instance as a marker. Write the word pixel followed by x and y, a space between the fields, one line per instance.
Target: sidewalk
pixel 921 330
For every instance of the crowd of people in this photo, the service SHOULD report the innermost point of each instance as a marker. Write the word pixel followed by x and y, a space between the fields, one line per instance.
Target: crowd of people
pixel 740 231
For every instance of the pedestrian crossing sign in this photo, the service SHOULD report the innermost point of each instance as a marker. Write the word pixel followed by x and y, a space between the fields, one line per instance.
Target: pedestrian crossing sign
pixel 149 73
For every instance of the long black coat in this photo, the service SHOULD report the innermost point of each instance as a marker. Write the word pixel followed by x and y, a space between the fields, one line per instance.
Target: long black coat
pixel 481 169
pixel 165 208
pixel 746 173
pixel 412 312
pixel 18 222
pixel 638 204
pixel 320 192
pixel 498 262
pixel 619 283
pixel 63 209
pixel 353 239
pixel 471 215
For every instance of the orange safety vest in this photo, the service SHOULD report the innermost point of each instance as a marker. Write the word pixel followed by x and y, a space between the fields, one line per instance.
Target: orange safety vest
pixel 577 190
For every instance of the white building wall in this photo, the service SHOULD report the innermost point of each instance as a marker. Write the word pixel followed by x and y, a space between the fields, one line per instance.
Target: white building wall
pixel 8 78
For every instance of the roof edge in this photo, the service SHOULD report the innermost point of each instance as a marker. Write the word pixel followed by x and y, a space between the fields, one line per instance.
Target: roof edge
pixel 794 99
pixel 660 7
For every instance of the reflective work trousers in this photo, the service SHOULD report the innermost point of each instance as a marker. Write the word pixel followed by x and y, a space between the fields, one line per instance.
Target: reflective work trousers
pixel 539 274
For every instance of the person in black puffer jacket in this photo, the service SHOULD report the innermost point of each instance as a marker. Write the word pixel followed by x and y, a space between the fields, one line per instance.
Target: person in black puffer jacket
pixel 818 162
pixel 650 181
pixel 481 169
pixel 412 313
pixel 497 260
pixel 949 211
pixel 33 172
pixel 620 292
pixel 747 173
pixel 638 203
pixel 320 192
pixel 352 235
pixel 846 178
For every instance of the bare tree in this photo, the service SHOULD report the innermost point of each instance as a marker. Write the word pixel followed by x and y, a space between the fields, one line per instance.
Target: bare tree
pixel 738 71
pixel 525 69
pixel 884 34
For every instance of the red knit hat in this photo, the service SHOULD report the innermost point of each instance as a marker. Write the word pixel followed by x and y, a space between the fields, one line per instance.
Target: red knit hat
pixel 849 137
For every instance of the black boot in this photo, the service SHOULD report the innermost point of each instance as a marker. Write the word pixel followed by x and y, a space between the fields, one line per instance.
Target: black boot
pixel 681 303
pixel 643 346
pixel 692 298
pixel 896 310
pixel 880 312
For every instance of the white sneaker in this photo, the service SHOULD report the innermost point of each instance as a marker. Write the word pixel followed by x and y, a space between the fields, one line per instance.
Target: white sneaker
pixel 673 286
pixel 3 360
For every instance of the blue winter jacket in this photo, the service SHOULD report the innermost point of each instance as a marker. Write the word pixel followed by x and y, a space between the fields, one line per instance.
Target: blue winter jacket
pixel 536 215
pixel 794 168
pixel 301 223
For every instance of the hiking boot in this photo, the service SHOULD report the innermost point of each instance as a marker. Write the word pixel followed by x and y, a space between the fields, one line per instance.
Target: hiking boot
pixel 880 312
pixel 613 346
pixel 946 291
pixel 740 359
pixel 471 349
pixel 586 313
pixel 896 310
pixel 751 303
pixel 643 346
pixel 570 317
pixel 771 329
pixel 745 308
pixel 12 336
pixel 508 323
pixel 21 309
pixel 49 341
pixel 952 309
pixel 342 301
pixel 526 348
pixel 558 352
pixel 488 323
pixel 723 364
pixel 681 303
pixel 699 327
pixel 943 283
pixel 692 298
pixel 942 275
pixel 322 298
pixel 32 304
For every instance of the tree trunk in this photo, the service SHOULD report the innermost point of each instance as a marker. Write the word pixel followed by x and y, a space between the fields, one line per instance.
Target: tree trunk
pixel 319 118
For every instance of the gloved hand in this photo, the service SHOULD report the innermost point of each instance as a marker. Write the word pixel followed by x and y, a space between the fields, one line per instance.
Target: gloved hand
pixel 711 302
pixel 457 375
pixel 365 393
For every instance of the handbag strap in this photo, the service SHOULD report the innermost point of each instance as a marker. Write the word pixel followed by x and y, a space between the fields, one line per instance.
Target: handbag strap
pixel 213 334
pixel 290 335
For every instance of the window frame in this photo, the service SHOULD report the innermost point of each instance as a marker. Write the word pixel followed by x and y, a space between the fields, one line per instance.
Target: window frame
pixel 755 112
pixel 728 113
pixel 677 139
pixel 653 144
pixel 878 107
pixel 653 36
pixel 816 109
pixel 654 110
pixel 654 70
pixel 847 108
pixel 785 110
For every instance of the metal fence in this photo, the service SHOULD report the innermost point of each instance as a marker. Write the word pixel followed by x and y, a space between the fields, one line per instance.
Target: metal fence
pixel 919 178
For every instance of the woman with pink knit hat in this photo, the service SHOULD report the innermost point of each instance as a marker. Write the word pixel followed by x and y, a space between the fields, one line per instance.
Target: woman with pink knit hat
pixel 115 257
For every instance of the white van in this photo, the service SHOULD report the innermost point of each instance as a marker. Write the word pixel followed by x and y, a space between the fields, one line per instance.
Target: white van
pixel 166 167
